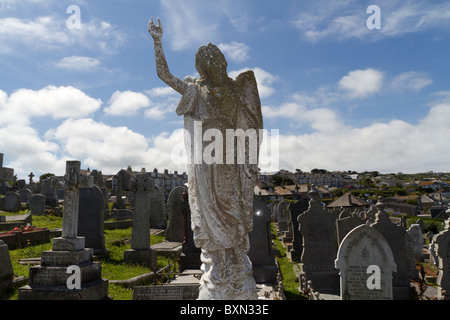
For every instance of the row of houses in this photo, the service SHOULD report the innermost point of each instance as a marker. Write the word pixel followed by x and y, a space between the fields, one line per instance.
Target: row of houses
pixel 165 181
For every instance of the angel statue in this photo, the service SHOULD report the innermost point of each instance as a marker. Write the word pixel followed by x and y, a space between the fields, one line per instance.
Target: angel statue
pixel 220 192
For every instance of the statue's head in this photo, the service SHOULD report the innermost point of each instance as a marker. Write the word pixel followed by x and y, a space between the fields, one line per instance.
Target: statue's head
pixel 210 62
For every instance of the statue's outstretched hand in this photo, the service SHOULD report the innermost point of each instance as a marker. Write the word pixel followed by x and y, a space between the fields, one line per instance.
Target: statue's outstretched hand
pixel 156 31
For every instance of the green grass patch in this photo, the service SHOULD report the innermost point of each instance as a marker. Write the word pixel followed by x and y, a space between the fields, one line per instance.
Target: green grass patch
pixel 113 266
pixel 288 274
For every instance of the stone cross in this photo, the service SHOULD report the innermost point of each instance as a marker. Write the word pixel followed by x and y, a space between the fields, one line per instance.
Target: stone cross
pixel 31 175
pixel 142 186
pixel 71 183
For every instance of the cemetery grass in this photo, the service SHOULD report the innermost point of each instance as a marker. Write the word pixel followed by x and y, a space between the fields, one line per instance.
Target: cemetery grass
pixel 113 267
pixel 288 273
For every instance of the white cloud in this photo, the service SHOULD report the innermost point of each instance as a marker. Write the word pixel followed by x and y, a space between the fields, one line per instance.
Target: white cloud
pixel 361 83
pixel 77 63
pixel 50 32
pixel 383 146
pixel 21 142
pixel 195 22
pixel 347 19
pixel 126 103
pixel 51 101
pixel 99 145
pixel 164 101
pixel 264 80
pixel 414 81
pixel 187 23
pixel 236 51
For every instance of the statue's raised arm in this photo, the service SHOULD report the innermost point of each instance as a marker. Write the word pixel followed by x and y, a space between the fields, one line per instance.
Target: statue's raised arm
pixel 156 31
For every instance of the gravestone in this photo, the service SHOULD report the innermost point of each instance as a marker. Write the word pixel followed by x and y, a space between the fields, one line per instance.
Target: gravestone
pixel 366 263
pixel 166 292
pixel 141 253
pixel 345 224
pixel 176 228
pixel 6 268
pixel 100 182
pixel 415 232
pixel 6 174
pixel 401 245
pixel 288 235
pixel 37 204
pixel 25 195
pixel 261 253
pixel 121 214
pixel 119 203
pixel 50 193
pixel 296 209
pixel 320 247
pixel 442 249
pixel 282 214
pixel 371 214
pixel 11 202
pixel 158 219
pixel 275 211
pixel 91 219
pixel 190 254
pixel 52 279
pixel 20 184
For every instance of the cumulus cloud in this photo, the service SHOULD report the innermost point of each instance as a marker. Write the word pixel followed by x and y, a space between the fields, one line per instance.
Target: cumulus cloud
pixel 345 20
pixel 77 63
pixel 381 146
pixel 164 101
pixel 412 80
pixel 21 142
pixel 361 83
pixel 50 33
pixel 54 102
pixel 126 103
pixel 236 51
pixel 264 80
pixel 196 22
pixel 98 144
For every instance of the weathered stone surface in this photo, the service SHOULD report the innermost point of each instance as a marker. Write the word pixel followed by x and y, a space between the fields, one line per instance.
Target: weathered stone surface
pixel 442 248
pixel 6 269
pixel 221 186
pixel 91 219
pixel 11 202
pixel 141 253
pixel 320 247
pixel 261 253
pixel 401 245
pixel 48 281
pixel 37 204
pixel 296 209
pixel 166 292
pixel 175 229
pixel 366 264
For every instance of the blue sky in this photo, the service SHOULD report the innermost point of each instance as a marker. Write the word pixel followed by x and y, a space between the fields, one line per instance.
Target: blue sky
pixel 343 96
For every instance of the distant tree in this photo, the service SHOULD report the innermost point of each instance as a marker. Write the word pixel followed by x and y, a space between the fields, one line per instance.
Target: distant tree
pixel 278 179
pixel 319 171
pixel 339 192
pixel 367 182
pixel 45 176
pixel 374 174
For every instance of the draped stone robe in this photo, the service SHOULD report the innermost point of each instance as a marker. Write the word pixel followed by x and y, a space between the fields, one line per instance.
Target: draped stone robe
pixel 221 195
